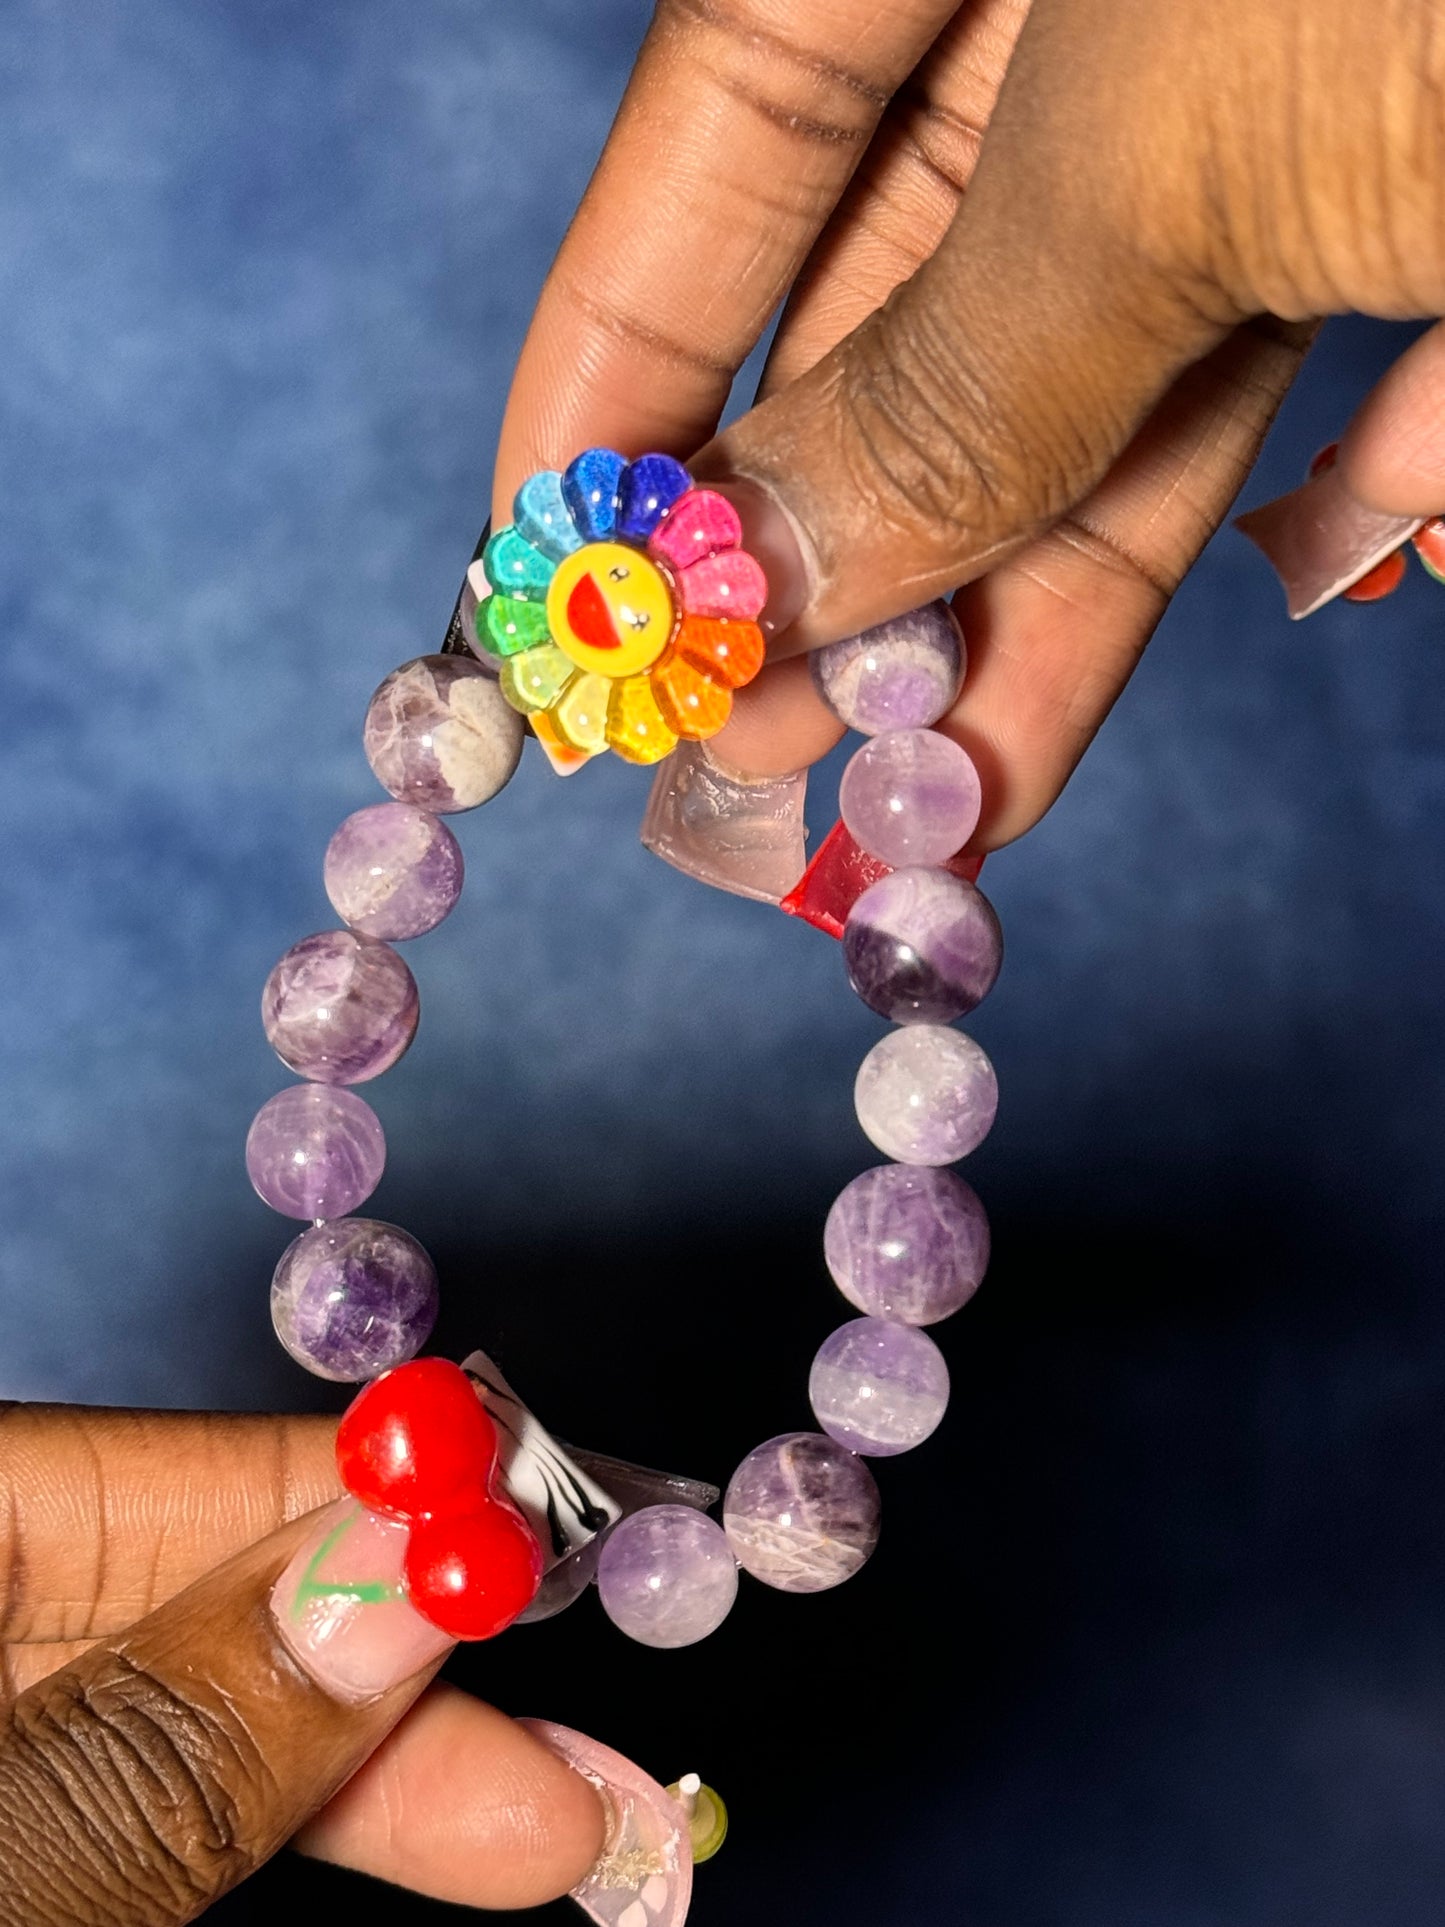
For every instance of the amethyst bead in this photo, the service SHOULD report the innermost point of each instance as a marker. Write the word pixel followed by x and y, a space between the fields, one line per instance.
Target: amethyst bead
pixel 351 1299
pixel 922 946
pixel 315 1152
pixel 878 1388
pixel 907 1243
pixel 340 1008
pixel 802 1513
pixel 440 734
pixel 393 871
pixel 667 1576
pixel 904 674
pixel 910 796
pixel 926 1095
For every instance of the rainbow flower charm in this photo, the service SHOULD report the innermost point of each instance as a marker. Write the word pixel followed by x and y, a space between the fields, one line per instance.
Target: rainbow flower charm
pixel 621 608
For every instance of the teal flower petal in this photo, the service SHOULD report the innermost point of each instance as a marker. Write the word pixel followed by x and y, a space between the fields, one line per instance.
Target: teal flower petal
pixel 515 568
pixel 542 516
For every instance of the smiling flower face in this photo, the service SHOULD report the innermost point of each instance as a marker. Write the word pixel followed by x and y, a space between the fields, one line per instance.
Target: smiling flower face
pixel 621 608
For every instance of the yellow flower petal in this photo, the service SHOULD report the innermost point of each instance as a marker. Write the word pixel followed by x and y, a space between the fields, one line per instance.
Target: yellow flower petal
pixel 636 727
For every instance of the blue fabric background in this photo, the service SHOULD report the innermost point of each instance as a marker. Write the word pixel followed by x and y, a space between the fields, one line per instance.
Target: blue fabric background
pixel 1154 1635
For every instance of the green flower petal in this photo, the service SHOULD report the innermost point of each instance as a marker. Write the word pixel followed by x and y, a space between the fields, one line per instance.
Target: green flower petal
pixel 505 627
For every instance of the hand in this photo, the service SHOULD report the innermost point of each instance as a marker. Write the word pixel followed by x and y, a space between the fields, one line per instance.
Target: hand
pixel 1052 271
pixel 159 1740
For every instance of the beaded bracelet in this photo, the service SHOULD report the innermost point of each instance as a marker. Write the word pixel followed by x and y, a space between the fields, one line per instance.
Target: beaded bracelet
pixel 620 611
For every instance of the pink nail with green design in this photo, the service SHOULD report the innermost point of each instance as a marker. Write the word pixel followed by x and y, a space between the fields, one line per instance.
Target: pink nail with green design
pixel 341 1609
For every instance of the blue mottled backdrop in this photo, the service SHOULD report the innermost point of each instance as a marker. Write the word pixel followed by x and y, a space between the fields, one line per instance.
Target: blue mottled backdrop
pixel 1155 1632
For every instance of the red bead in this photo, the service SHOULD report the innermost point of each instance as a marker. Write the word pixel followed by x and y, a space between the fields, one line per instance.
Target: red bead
pixel 418 1444
pixel 838 876
pixel 1381 581
pixel 417 1439
pixel 472 1573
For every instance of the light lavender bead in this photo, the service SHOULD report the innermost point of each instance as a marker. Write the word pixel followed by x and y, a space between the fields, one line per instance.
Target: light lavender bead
pixel 922 946
pixel 353 1298
pixel 926 1095
pixel 340 1008
pixel 878 1388
pixel 906 1243
pixel 667 1576
pixel 315 1152
pixel 393 871
pixel 440 734
pixel 904 674
pixel 801 1513
pixel 910 796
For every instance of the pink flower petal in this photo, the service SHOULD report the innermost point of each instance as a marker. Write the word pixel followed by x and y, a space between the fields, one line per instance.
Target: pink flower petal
pixel 644 1878
pixel 731 584
pixel 699 523
pixel 1321 540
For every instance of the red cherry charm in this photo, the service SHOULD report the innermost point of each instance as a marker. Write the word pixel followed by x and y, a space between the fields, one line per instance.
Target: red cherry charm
pixel 472 1573
pixel 418 1439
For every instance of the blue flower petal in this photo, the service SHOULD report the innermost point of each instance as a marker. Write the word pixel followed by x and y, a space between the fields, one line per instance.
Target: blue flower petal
pixel 648 489
pixel 589 489
pixel 540 512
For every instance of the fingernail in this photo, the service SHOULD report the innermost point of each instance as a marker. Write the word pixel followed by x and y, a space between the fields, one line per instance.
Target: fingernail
pixel 341 1610
pixel 1320 541
pixel 740 835
pixel 644 1877
pixel 771 534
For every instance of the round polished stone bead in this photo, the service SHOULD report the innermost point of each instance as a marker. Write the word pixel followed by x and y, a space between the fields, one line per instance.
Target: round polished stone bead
pixel 904 674
pixel 922 946
pixel 667 1576
pixel 353 1298
pixel 910 796
pixel 340 1008
pixel 440 734
pixel 393 871
pixel 908 1243
pixel 926 1095
pixel 878 1388
pixel 802 1513
pixel 315 1151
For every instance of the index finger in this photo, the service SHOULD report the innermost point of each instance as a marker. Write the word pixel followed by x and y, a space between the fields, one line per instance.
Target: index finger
pixel 740 128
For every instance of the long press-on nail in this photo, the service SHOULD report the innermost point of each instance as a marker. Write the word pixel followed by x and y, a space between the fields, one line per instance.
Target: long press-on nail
pixel 341 1610
pixel 772 536
pixel 1321 541
pixel 744 836
pixel 644 1878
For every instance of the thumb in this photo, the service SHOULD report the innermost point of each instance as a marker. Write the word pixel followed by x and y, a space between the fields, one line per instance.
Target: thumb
pixel 997 385
pixel 144 1780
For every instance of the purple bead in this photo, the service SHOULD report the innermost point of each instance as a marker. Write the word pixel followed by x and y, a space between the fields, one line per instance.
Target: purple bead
pixel 351 1299
pixel 393 871
pixel 907 1243
pixel 340 1008
pixel 878 1388
pixel 904 674
pixel 440 734
pixel 922 947
pixel 315 1152
pixel 801 1513
pixel 926 1095
pixel 667 1576
pixel 910 796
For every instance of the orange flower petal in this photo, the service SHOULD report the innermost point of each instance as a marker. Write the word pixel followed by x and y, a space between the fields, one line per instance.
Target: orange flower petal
pixel 730 653
pixel 690 703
